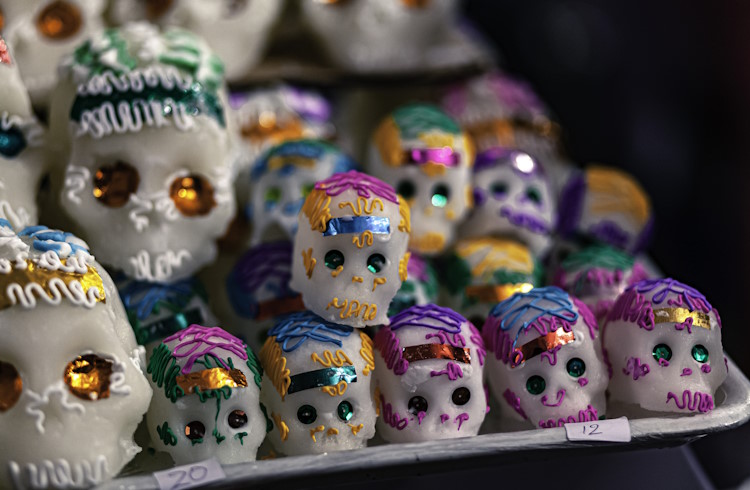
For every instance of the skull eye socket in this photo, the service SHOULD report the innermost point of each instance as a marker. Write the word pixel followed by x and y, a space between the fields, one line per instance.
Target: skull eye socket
pixel 113 184
pixel 440 195
pixel 334 259
pixel 193 195
pixel 195 431
pixel 272 197
pixel 662 351
pixel 534 195
pixel 12 142
pixel 307 414
pixel 576 367
pixel 375 263
pixel 700 353
pixel 535 385
pixel 406 188
pixel 345 411
pixel 234 7
pixel 87 377
pixel 499 190
pixel 417 404
pixel 59 21
pixel 11 386
pixel 461 396
pixel 157 8
pixel 237 419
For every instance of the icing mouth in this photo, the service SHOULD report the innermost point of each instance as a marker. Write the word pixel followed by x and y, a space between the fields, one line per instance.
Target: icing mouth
pixel 588 415
pixel 560 398
pixel 163 266
pixel 59 473
pixel 692 401
pixel 523 220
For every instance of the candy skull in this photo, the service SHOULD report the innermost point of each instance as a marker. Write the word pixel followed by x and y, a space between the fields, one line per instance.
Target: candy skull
pixel 71 389
pixel 206 397
pixel 150 161
pixel 428 382
pixel 663 343
pixel 419 288
pixel 350 253
pixel 423 153
pixel 281 180
pixel 317 385
pixel 512 199
pixel 546 366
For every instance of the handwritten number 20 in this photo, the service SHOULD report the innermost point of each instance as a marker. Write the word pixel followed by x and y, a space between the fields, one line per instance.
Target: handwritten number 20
pixel 195 474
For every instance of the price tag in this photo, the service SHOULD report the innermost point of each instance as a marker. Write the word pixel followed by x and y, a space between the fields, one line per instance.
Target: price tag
pixel 612 430
pixel 190 475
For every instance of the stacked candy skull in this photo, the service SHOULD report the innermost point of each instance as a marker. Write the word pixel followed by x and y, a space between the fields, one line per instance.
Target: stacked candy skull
pixel 69 365
pixel 350 253
pixel 663 342
pixel 428 381
pixel 423 153
pixel 317 385
pixel 546 369
pixel 203 378
pixel 419 288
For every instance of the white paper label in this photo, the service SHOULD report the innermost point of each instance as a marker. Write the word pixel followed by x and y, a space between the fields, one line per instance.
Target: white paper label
pixel 190 475
pixel 612 430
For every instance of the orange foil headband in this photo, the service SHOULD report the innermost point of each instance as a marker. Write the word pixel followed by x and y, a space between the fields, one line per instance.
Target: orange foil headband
pixel 436 351
pixel 542 344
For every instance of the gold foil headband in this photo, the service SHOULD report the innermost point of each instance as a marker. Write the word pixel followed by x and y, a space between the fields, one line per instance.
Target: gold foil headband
pixel 211 379
pixel 436 351
pixel 543 344
pixel 680 315
pixel 495 294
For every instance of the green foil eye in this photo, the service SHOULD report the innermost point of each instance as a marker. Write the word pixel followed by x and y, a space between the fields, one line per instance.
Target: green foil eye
pixel 576 367
pixel 440 195
pixel 334 259
pixel 272 196
pixel 700 353
pixel 533 195
pixel 406 189
pixel 375 263
pixel 535 385
pixel 662 351
pixel 345 411
pixel 307 414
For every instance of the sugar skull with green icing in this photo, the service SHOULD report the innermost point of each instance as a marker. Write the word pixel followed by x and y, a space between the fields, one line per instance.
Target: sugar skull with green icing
pixel 71 387
pixel 206 397
pixel 317 386
pixel 150 150
pixel 427 158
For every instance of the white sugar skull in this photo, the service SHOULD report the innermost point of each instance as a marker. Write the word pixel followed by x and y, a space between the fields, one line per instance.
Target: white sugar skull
pixel 350 253
pixel 281 180
pixel 512 199
pixel 422 152
pixel 545 365
pixel 597 275
pixel 71 388
pixel 606 205
pixel 21 141
pixel 317 386
pixel 428 382
pixel 150 158
pixel 662 340
pixel 237 30
pixel 42 32
pixel 420 287
pixel 206 397
pixel 387 35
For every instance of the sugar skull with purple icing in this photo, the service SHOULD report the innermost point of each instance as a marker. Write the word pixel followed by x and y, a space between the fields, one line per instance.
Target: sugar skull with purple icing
pixel 420 287
pixel 317 386
pixel 424 154
pixel 663 342
pixel 206 397
pixel 350 253
pixel 428 381
pixel 545 365
pixel 512 199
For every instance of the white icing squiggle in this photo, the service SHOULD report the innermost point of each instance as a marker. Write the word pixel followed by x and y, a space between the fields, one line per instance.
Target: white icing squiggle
pixel 19 218
pixel 54 294
pixel 59 473
pixel 161 268
pixel 140 207
pixel 76 178
pixel 117 383
pixel 131 116
pixel 167 77
pixel 31 129
pixel 75 264
pixel 35 407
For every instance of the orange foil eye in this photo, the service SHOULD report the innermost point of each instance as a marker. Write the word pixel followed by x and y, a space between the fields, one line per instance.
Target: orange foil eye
pixel 193 195
pixel 59 20
pixel 11 386
pixel 114 184
pixel 88 376
pixel 157 8
pixel 418 4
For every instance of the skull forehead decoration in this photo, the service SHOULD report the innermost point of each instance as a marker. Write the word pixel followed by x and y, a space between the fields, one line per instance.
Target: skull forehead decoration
pixel 546 369
pixel 85 385
pixel 428 381
pixel 420 287
pixel 598 274
pixel 512 198
pixel 350 253
pixel 206 397
pixel 663 343
pixel 423 153
pixel 150 158
pixel 282 179
pixel 317 385
pixel 608 205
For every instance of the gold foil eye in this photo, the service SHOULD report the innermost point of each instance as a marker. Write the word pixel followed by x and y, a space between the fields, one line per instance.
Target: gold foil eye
pixel 157 8
pixel 11 386
pixel 418 4
pixel 87 377
pixel 113 184
pixel 59 20
pixel 193 195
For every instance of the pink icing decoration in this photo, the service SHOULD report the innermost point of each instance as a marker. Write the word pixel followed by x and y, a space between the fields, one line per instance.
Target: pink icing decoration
pixel 365 185
pixel 389 347
pixel 443 337
pixel 476 338
pixel 583 381
pixel 4 53
pixel 420 417
pixel 417 268
pixel 392 418
pixel 706 368
pixel 453 371
pixel 444 417
pixel 588 317
pixel 590 414
pixel 515 402
pixel 204 341
pixel 633 307
pixel 461 418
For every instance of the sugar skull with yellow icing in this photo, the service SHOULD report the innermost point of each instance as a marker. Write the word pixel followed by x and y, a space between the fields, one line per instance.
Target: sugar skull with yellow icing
pixel 427 158
pixel 317 386
pixel 350 253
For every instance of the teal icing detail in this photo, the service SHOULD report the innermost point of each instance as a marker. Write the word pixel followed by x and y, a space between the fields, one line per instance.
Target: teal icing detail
pixel 457 274
pixel 193 442
pixel 164 370
pixel 96 57
pixel 240 436
pixel 415 119
pixel 598 256
pixel 254 365
pixel 504 276
pixel 166 435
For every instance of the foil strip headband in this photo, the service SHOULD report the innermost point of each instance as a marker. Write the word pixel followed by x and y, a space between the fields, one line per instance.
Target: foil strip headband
pixel 495 294
pixel 322 377
pixel 436 351
pixel 442 156
pixel 211 379
pixel 358 224
pixel 680 315
pixel 542 344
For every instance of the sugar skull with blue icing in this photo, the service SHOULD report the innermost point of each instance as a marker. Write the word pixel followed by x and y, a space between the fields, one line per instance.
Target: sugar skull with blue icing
pixel 427 158
pixel 421 286
pixel 281 180
pixel 512 199
pixel 428 382
pixel 317 386
pixel 350 254
pixel 206 397
pixel 545 364
pixel 663 343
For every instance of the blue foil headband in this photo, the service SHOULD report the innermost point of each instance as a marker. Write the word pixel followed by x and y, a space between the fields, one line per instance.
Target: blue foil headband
pixel 322 377
pixel 358 224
